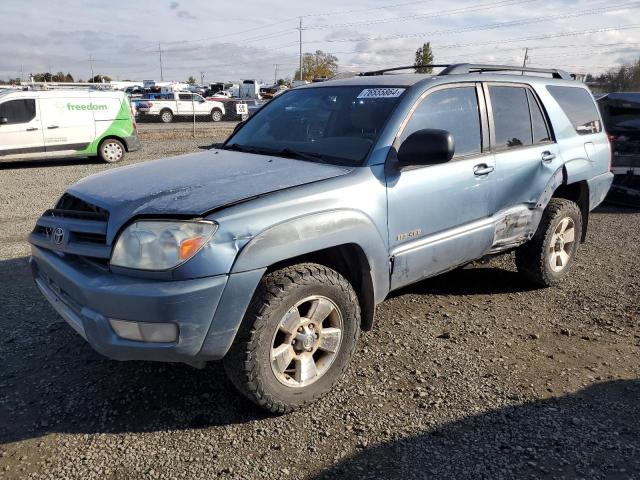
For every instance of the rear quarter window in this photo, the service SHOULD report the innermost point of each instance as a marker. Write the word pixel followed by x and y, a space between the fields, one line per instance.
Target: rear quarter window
pixel 579 106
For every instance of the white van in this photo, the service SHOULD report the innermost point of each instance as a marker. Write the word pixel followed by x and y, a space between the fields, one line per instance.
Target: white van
pixel 63 123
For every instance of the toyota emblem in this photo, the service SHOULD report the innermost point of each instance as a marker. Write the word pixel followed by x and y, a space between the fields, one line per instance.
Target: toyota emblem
pixel 58 236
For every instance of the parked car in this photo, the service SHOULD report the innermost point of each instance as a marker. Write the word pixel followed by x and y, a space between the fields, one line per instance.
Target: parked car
pixel 273 251
pixel 168 106
pixel 220 96
pixel 621 115
pixel 66 123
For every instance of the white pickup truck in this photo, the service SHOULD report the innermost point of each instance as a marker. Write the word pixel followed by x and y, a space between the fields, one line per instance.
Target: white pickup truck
pixel 170 105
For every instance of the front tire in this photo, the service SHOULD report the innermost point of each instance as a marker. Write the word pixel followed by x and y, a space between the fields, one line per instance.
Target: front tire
pixel 296 339
pixel 216 115
pixel 547 257
pixel 111 150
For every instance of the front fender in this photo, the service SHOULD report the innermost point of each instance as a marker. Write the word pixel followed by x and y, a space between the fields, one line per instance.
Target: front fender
pixel 311 233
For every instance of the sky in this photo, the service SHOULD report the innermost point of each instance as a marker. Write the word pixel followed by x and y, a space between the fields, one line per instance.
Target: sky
pixel 221 41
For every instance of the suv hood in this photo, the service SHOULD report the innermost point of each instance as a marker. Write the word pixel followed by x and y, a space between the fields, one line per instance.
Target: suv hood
pixel 192 185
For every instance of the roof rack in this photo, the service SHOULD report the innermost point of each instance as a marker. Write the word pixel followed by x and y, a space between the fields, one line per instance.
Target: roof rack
pixel 410 67
pixel 462 68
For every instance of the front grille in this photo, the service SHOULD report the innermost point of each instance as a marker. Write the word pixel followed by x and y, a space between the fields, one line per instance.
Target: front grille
pixel 75 227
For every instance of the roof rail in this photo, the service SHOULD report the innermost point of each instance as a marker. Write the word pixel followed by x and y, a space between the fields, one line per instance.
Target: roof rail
pixel 462 68
pixel 410 67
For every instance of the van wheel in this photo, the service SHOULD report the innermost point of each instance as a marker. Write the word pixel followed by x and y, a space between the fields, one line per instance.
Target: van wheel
pixel 111 150
pixel 216 115
pixel 296 339
pixel 166 116
pixel 546 258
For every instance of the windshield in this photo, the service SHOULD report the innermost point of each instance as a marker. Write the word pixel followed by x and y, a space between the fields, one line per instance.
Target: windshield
pixel 328 124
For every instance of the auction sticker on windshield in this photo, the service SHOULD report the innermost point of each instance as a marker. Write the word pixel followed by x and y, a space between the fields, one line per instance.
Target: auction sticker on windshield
pixel 381 92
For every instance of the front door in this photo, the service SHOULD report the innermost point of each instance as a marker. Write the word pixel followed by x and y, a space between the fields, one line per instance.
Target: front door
pixel 20 129
pixel 439 215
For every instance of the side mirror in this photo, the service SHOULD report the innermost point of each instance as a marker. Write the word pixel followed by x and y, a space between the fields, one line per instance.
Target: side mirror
pixel 3 120
pixel 426 147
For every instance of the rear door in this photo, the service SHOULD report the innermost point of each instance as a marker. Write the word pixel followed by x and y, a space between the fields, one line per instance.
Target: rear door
pixel 439 215
pixel 185 104
pixel 68 123
pixel 21 135
pixel 526 156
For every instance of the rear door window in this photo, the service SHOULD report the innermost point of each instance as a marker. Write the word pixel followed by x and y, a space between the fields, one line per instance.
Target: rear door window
pixel 452 109
pixel 579 107
pixel 18 111
pixel 510 116
pixel 538 123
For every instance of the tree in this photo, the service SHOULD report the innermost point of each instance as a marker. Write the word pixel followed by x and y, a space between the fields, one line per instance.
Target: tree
pixel 191 80
pixel 100 78
pixel 424 56
pixel 68 78
pixel 42 77
pixel 318 65
pixel 620 79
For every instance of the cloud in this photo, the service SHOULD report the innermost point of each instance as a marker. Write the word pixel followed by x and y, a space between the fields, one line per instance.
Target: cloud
pixel 174 5
pixel 186 15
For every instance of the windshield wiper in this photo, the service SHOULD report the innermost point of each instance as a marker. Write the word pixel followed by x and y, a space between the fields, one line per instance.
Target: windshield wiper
pixel 242 148
pixel 284 152
pixel 289 152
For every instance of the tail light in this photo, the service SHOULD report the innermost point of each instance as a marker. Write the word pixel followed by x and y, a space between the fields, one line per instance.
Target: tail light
pixel 611 140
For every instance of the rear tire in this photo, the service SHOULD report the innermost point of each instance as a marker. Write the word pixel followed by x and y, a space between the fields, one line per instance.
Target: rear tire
pixel 296 339
pixel 547 257
pixel 166 116
pixel 111 150
pixel 216 115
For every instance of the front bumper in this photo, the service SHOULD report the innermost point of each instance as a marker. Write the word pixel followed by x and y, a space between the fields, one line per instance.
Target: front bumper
pixel 87 297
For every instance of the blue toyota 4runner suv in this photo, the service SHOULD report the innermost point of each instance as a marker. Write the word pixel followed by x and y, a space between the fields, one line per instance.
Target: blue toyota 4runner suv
pixel 272 251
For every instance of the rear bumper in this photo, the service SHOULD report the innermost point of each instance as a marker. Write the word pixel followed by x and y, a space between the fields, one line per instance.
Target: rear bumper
pixel 598 188
pixel 132 143
pixel 87 297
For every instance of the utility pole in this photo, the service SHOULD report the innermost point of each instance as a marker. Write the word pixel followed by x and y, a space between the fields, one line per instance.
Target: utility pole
pixel 160 52
pixel 21 73
pixel 526 57
pixel 201 79
pixel 91 63
pixel 300 28
pixel 275 74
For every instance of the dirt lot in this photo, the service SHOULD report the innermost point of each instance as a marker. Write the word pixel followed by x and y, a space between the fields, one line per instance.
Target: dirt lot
pixel 469 375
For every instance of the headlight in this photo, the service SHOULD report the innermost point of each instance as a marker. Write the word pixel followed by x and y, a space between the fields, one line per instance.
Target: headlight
pixel 160 245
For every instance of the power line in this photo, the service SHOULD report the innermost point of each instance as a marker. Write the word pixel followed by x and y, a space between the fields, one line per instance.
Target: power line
pixel 487 26
pixel 443 13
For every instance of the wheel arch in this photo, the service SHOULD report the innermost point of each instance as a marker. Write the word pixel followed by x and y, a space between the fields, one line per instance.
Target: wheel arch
pixel 350 261
pixel 577 192
pixel 114 137
pixel 346 240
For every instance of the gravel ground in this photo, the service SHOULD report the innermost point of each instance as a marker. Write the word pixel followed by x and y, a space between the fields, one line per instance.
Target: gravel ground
pixel 468 375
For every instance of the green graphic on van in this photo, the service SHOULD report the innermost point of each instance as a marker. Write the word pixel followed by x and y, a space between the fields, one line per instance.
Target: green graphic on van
pixel 85 106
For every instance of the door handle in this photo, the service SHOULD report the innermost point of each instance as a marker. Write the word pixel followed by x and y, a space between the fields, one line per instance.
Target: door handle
pixel 32 129
pixel 482 169
pixel 51 127
pixel 548 157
